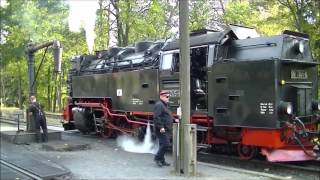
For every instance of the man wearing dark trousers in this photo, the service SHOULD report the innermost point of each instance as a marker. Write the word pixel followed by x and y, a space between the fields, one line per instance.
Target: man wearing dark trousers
pixel 39 118
pixel 163 126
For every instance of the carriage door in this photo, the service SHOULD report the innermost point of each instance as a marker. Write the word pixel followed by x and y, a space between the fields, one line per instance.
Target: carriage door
pixel 169 77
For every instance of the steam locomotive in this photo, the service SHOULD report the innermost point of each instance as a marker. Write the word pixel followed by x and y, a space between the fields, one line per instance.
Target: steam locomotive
pixel 253 94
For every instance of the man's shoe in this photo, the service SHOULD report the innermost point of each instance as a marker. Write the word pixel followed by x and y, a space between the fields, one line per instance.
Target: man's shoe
pixel 165 163
pixel 159 163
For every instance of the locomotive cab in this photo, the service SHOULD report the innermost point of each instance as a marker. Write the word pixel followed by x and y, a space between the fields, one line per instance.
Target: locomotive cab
pixel 204 47
pixel 169 76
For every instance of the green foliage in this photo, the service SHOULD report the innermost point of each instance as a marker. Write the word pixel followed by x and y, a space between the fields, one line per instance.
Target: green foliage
pixel 101 29
pixel 37 21
pixel 148 24
pixel 274 20
pixel 241 13
pixel 199 14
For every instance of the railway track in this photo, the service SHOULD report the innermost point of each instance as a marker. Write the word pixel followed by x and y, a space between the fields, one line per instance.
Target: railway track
pixel 297 170
pixel 17 172
pixel 310 169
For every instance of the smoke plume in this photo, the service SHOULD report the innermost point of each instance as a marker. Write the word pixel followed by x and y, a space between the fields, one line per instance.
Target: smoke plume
pixel 131 144
pixel 83 14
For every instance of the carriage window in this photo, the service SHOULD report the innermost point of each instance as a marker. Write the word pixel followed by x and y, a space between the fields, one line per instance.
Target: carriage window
pixel 211 55
pixel 166 62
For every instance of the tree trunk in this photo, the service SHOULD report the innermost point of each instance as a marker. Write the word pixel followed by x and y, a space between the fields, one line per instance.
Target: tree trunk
pixel 2 90
pixel 119 23
pixel 125 37
pixel 168 20
pixel 296 11
pixel 109 28
pixel 19 88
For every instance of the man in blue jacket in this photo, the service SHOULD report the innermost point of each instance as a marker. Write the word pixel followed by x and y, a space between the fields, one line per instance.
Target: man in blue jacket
pixel 40 119
pixel 163 126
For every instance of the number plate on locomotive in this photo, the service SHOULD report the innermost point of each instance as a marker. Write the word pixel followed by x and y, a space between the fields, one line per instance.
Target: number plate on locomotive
pixel 299 74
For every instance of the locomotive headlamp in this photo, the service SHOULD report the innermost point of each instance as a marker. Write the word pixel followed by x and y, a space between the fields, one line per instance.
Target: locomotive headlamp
pixel 285 108
pixel 289 109
pixel 299 46
pixel 315 106
pixel 282 82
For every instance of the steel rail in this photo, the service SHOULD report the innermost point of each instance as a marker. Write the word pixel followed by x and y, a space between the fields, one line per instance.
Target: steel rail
pixel 20 170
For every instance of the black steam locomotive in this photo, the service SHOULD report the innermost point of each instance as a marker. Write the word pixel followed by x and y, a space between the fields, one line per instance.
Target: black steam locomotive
pixel 254 94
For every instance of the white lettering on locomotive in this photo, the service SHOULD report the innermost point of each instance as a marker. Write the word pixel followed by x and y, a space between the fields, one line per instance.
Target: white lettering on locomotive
pixel 266 108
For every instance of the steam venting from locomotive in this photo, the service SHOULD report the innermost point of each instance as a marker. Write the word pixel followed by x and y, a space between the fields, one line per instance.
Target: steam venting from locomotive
pixel 131 144
pixel 85 20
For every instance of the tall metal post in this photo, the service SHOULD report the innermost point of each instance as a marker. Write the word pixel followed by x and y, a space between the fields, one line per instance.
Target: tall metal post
pixel 184 61
pixel 186 164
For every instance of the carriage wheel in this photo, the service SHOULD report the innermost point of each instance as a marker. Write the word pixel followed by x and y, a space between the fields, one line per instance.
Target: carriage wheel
pixel 246 152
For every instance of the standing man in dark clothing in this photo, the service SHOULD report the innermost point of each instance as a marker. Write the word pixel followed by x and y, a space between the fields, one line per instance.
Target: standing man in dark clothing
pixel 163 126
pixel 40 119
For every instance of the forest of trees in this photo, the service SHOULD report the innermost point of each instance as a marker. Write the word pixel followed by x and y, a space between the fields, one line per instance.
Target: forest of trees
pixel 125 22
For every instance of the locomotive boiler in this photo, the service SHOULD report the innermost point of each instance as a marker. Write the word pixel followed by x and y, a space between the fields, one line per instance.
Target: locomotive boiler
pixel 257 95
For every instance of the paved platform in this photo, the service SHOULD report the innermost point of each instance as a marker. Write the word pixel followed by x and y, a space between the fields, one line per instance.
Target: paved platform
pixel 105 160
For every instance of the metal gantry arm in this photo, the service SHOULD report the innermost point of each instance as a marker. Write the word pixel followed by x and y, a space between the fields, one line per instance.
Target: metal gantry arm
pixel 31 49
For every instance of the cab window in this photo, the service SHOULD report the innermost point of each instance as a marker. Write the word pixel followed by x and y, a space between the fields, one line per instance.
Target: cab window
pixel 166 62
